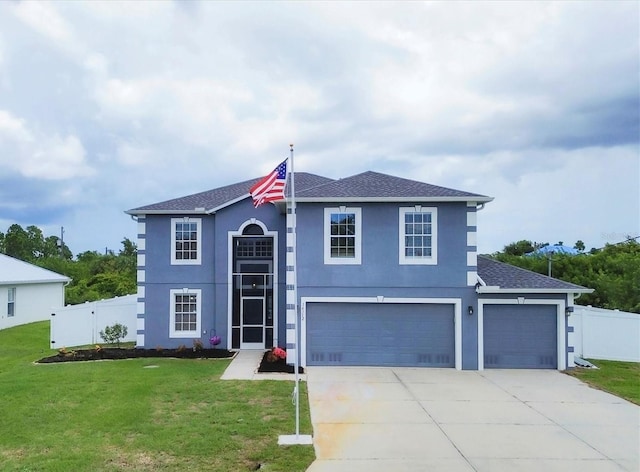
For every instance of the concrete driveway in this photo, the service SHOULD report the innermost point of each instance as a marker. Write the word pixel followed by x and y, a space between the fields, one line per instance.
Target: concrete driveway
pixel 403 419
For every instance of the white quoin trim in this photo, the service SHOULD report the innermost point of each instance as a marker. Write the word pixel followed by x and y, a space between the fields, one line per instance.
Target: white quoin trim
pixel 560 323
pixel 456 302
pixel 472 239
pixel 472 218
pixel 472 259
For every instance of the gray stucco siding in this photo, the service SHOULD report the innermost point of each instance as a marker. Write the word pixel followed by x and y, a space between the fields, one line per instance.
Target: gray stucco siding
pixel 157 315
pixel 158 265
pixel 380 265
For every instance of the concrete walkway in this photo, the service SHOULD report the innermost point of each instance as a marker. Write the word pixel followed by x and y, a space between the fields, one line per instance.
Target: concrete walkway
pixel 403 419
pixel 244 366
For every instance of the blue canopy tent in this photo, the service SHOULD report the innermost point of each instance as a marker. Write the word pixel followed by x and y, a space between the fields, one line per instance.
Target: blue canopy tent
pixel 555 249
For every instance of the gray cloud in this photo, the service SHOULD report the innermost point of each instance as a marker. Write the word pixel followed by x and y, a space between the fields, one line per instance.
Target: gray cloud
pixel 130 103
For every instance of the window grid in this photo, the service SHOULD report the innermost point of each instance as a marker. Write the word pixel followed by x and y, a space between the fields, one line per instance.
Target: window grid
pixel 417 230
pixel 186 241
pixel 186 312
pixel 11 302
pixel 254 248
pixel 343 235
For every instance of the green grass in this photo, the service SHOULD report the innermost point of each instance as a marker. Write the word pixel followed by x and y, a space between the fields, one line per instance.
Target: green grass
pixel 619 378
pixel 119 415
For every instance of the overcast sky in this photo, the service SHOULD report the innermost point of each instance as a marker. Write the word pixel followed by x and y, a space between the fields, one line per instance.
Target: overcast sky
pixel 110 106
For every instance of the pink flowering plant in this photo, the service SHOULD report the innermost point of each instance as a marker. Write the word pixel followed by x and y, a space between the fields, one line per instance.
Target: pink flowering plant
pixel 276 354
pixel 279 353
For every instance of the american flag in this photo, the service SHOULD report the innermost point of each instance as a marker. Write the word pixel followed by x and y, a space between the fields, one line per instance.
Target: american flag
pixel 270 188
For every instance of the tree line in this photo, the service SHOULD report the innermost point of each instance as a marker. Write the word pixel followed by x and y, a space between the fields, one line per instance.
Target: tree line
pixel 94 276
pixel 612 271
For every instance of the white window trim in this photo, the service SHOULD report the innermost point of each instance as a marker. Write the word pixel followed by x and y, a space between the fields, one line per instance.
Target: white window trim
pixel 403 259
pixel 198 259
pixel 11 291
pixel 327 237
pixel 172 318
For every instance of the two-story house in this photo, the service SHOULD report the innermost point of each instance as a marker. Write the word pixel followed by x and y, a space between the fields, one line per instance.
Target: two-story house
pixel 387 274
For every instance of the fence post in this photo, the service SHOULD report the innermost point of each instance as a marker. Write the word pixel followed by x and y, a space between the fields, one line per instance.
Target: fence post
pixel 52 338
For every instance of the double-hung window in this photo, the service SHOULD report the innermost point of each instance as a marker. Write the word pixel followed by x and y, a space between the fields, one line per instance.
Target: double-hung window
pixel 186 241
pixel 418 235
pixel 185 313
pixel 342 235
pixel 11 302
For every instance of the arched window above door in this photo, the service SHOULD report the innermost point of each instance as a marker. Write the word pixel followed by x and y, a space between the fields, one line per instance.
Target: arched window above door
pixel 252 230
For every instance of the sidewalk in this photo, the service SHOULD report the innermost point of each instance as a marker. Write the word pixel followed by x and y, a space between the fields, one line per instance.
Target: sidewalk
pixel 244 366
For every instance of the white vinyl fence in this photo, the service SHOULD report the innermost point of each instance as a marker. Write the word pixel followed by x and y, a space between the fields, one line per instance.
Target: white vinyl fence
pixel 78 325
pixel 605 334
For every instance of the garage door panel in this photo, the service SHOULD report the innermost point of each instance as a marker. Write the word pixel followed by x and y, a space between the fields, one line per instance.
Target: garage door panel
pixel 520 336
pixel 380 334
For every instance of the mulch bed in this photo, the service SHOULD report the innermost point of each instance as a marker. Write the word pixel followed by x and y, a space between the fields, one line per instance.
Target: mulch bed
pixel 279 365
pixel 133 353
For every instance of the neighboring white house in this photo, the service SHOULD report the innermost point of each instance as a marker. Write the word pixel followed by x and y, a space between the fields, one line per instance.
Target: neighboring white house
pixel 28 293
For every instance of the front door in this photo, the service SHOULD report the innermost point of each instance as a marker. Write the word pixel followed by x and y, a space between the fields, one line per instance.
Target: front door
pixel 253 293
pixel 252 323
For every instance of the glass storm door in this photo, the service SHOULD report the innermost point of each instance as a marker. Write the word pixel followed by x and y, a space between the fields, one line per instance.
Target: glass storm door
pixel 252 323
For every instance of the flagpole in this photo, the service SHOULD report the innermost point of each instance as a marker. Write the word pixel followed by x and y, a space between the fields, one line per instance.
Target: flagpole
pixel 297 438
pixel 295 293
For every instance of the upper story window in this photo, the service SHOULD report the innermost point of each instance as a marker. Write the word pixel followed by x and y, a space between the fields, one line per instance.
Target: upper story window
pixel 186 240
pixel 418 235
pixel 342 235
pixel 185 313
pixel 11 302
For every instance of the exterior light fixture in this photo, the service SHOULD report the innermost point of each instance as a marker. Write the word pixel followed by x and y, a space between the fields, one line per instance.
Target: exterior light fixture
pixel 568 310
pixel 470 310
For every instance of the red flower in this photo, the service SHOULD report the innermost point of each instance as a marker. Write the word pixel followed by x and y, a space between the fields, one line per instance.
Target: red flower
pixel 279 352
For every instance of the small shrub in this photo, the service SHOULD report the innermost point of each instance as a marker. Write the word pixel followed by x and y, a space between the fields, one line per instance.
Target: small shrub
pixel 197 345
pixel 181 348
pixel 113 334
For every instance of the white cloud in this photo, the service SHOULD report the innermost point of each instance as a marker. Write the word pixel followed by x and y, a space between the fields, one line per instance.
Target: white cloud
pixel 39 156
pixel 499 98
pixel 44 18
pixel 13 128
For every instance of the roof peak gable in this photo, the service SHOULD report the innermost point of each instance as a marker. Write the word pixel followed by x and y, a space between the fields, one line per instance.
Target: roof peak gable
pixel 16 271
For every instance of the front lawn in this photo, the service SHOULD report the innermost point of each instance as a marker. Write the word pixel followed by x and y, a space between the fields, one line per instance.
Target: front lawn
pixel 139 414
pixel 619 378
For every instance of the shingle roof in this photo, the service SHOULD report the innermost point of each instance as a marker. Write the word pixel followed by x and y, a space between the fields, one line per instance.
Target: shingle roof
pixel 219 197
pixel 369 185
pixel 15 271
pixel 374 185
pixel 506 276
